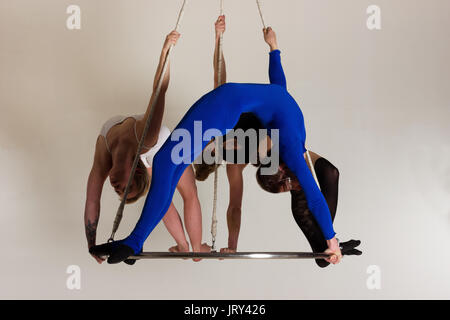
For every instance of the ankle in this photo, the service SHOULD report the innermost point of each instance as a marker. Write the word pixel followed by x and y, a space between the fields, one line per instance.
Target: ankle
pixel 183 246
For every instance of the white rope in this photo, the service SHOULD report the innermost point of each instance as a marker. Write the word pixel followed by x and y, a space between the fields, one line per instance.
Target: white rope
pixel 119 213
pixel 220 58
pixel 216 172
pixel 214 213
pixel 261 13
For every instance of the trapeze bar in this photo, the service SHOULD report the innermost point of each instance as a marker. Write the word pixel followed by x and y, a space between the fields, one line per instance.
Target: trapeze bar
pixel 237 255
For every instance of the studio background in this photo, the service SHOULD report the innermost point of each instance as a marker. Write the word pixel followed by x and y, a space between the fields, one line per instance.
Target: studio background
pixel 376 104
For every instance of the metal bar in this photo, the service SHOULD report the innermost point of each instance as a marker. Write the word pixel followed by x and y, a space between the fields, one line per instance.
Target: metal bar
pixel 237 255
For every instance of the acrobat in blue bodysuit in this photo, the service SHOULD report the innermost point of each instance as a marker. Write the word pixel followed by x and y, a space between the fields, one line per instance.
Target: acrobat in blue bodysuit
pixel 220 109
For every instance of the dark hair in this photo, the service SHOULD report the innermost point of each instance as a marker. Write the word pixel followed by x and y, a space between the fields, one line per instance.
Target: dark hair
pixel 247 121
pixel 270 183
pixel 203 170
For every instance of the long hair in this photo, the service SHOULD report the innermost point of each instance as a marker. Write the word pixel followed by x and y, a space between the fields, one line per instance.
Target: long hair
pixel 142 181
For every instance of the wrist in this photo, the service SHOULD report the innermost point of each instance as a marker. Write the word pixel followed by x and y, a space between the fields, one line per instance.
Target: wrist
pixel 333 243
pixel 165 49
pixel 273 47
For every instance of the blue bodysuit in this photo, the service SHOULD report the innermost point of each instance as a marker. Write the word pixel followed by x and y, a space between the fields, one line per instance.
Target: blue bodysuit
pixel 220 109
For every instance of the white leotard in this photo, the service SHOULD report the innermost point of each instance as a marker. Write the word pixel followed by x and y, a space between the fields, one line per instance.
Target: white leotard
pixel 146 158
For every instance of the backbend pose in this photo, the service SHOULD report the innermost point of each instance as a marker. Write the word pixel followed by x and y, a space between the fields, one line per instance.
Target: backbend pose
pixel 221 109
pixel 282 181
pixel 114 154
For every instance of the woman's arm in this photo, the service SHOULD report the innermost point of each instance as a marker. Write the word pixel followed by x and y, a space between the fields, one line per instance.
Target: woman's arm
pixel 155 124
pixel 328 177
pixel 234 171
pixel 96 180
pixel 276 73
pixel 220 29
pixel 235 179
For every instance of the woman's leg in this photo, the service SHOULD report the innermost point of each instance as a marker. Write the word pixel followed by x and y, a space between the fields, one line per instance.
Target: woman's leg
pixel 328 176
pixel 308 224
pixel 164 180
pixel 315 199
pixel 211 110
pixel 174 225
pixel 192 210
pixel 220 110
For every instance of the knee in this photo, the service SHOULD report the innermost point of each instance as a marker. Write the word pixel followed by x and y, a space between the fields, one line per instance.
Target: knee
pixel 333 172
pixel 234 208
pixel 327 170
pixel 189 195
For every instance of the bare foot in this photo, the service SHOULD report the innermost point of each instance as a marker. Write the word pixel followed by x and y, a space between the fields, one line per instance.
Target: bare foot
pixel 227 250
pixel 203 248
pixel 179 248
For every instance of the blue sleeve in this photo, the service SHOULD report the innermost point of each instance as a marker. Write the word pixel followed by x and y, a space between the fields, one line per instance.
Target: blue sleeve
pixel 276 73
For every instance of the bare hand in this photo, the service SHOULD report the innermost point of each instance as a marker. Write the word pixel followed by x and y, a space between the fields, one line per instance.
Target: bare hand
pixel 171 39
pixel 220 25
pixel 270 38
pixel 334 251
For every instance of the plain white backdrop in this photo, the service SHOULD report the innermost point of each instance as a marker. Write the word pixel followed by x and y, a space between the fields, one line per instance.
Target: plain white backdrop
pixel 376 104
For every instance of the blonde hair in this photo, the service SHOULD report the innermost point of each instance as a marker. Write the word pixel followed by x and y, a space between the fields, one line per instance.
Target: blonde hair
pixel 142 180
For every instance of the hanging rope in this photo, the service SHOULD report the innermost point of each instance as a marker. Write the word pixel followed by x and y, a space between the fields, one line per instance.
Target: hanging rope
pixel 308 156
pixel 216 172
pixel 214 213
pixel 261 13
pixel 220 58
pixel 119 213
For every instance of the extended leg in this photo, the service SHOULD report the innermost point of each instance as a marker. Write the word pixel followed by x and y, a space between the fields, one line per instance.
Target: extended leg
pixel 328 176
pixel 166 173
pixel 174 225
pixel 164 180
pixel 309 226
pixel 315 199
pixel 192 210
